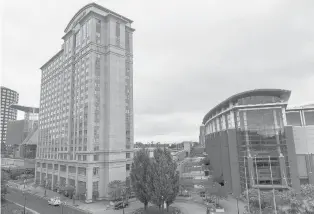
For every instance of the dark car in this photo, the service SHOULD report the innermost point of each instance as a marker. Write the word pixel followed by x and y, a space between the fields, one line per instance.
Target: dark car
pixel 119 205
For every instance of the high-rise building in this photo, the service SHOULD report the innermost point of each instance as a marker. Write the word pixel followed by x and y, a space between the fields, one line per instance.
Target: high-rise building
pixel 86 105
pixel 8 97
pixel 250 144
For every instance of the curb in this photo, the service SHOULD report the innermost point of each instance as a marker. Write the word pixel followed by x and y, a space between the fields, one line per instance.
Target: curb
pixel 66 205
pixel 46 198
pixel 26 208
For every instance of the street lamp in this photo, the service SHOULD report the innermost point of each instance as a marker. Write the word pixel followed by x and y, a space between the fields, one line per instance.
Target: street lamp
pixel 24 212
pixel 62 204
pixel 123 192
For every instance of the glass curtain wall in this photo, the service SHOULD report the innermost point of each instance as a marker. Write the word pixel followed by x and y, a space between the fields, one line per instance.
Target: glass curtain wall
pixel 260 133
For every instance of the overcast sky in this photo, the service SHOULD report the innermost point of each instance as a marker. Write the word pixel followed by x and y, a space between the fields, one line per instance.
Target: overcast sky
pixel 188 57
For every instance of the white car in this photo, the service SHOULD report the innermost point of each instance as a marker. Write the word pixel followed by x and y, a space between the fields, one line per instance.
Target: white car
pixel 54 201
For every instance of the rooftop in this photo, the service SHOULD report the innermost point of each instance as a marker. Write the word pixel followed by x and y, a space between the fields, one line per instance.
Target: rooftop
pixel 284 94
pixel 26 109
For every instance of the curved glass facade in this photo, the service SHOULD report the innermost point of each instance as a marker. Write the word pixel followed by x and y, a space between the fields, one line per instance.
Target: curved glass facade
pixel 253 100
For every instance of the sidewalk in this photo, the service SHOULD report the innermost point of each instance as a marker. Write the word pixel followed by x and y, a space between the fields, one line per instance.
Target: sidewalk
pixel 94 207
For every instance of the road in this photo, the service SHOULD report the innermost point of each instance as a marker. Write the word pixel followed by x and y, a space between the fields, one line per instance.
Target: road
pixel 37 204
pixel 190 208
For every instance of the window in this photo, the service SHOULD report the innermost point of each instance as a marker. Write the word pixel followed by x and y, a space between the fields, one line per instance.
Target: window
pixel 95 186
pixel 96 148
pixel 128 155
pixel 127 41
pixel 96 157
pixel 98 28
pixel 84 158
pixel 293 118
pixel 118 29
pixel 82 171
pixel 128 167
pixel 95 170
pixel 309 117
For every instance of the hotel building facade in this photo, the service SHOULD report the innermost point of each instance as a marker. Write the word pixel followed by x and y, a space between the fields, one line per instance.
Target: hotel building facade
pixel 251 142
pixel 86 105
pixel 8 97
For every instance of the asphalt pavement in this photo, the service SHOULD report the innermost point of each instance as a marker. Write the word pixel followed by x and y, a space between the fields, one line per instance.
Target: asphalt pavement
pixel 38 204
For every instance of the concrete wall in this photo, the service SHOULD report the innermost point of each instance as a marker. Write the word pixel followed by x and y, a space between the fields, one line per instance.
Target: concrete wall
pixel 15 132
pixel 292 158
pixel 304 139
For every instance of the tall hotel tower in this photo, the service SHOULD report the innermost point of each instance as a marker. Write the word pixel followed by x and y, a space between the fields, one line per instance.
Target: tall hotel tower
pixel 86 105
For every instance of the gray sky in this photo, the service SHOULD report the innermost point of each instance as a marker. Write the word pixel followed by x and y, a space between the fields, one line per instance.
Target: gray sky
pixel 188 56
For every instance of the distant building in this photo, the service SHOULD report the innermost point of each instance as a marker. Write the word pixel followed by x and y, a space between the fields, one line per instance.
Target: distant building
pixel 250 142
pixel 202 135
pixel 20 130
pixel 8 97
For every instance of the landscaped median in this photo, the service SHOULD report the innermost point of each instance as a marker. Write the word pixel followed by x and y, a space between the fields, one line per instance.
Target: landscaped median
pixel 156 210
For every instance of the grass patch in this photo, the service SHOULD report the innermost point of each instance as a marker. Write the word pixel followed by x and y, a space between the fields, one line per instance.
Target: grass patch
pixel 155 210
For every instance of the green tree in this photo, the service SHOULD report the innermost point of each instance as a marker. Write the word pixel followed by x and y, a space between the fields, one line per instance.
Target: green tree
pixel 164 184
pixel 307 191
pixel 4 179
pixel 115 188
pixel 140 170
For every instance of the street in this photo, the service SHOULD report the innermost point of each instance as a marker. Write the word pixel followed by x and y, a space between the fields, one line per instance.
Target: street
pixel 37 204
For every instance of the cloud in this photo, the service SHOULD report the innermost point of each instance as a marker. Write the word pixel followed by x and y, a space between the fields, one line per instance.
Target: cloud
pixel 188 56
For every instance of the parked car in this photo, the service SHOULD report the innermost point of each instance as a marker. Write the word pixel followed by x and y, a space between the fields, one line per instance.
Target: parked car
pixel 54 201
pixel 120 204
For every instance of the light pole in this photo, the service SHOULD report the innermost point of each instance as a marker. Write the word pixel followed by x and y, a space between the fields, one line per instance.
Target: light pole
pixel 238 205
pixel 24 212
pixel 123 192
pixel 62 204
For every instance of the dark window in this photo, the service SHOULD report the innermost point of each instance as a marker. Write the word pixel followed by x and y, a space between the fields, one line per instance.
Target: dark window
pixel 128 167
pixel 309 117
pixel 117 29
pixel 293 118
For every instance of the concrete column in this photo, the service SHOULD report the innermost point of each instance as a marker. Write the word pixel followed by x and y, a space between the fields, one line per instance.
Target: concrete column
pixel 40 174
pixel 58 173
pixel 67 174
pixel 309 166
pixel 76 179
pixel 276 131
pixel 52 176
pixel 46 172
pixel 283 172
pixel 89 184
pixel 295 181
pixel 251 169
pixel 247 140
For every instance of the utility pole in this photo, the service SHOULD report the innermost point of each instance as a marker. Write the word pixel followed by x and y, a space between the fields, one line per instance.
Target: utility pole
pixel 24 212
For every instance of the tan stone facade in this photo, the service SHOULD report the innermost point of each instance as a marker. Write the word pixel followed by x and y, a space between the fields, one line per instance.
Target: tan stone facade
pixel 86 110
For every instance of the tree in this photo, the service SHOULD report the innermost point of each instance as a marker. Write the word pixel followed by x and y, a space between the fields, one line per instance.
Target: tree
pixel 140 176
pixel 164 179
pixel 46 184
pixel 307 191
pixel 115 188
pixel 4 179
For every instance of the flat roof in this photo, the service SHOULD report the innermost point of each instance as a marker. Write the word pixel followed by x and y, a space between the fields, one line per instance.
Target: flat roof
pixel 26 109
pixel 285 94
